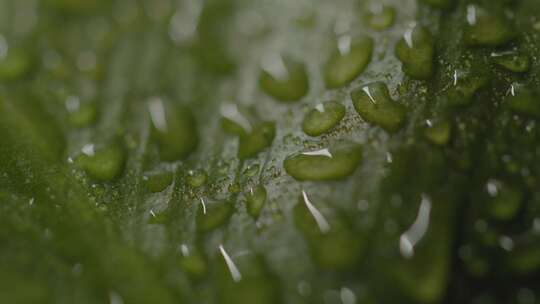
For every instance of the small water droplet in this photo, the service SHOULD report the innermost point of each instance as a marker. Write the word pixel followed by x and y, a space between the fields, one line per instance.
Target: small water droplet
pixel 380 16
pixel 255 200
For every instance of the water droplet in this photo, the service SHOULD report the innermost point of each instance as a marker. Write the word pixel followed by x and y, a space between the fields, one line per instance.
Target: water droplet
pixel 438 132
pixel 252 170
pixel 284 79
pixel 214 215
pixel 380 16
pixel 523 101
pixel 374 104
pixel 416 51
pixel 255 200
pixel 465 84
pixel 259 139
pixel 512 61
pixel 506 243
pixel 347 296
pixel 158 181
pixel 334 247
pixel 81 114
pixel 234 188
pixel 348 63
pixel 174 129
pixel 323 118
pixel 505 201
pixel 193 262
pixel 158 218
pixel 196 178
pixel 486 28
pixel 233 121
pixel 344 158
pixel 103 163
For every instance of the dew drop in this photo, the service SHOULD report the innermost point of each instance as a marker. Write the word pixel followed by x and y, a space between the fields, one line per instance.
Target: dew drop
pixel 344 158
pixel 374 104
pixel 323 118
pixel 348 63
pixel 416 51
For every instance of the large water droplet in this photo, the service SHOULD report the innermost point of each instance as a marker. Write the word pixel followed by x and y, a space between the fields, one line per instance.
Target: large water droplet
pixel 374 104
pixel 416 51
pixel 348 62
pixel 323 118
pixel 337 162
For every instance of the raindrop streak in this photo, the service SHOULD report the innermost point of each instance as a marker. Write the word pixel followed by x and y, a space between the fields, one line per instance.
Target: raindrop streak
pixel 416 51
pixel 235 273
pixel 374 104
pixel 317 215
pixel 323 118
pixel 486 28
pixel 336 162
pixel 416 232
pixel 348 62
pixel 284 79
